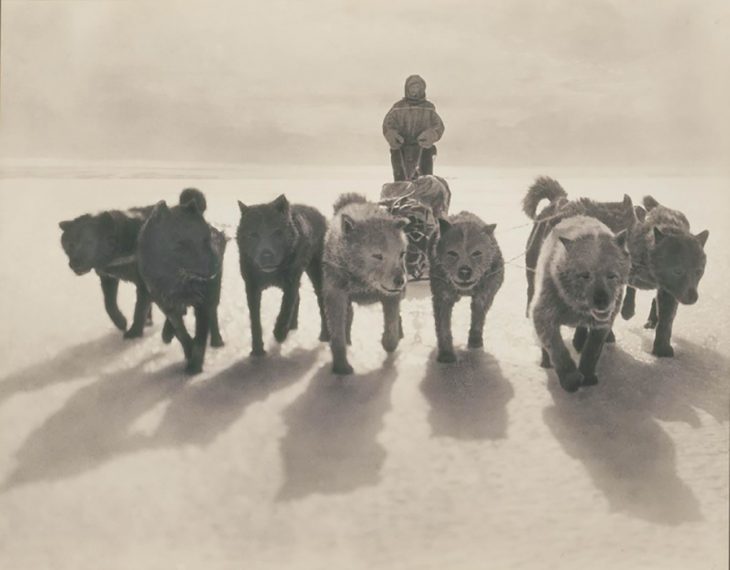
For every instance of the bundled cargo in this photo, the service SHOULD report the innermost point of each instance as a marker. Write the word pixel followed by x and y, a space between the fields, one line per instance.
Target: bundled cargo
pixel 422 201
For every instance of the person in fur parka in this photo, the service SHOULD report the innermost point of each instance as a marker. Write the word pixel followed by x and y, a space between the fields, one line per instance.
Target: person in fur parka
pixel 411 127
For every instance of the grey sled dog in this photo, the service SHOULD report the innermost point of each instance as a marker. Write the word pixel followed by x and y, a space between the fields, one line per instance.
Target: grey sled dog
pixel 580 277
pixel 363 262
pixel 465 261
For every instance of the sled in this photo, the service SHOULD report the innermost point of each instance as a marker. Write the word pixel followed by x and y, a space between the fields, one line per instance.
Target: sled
pixel 422 201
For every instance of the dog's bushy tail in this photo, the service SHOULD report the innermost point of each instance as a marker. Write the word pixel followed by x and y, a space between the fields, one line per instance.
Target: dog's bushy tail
pixel 544 188
pixel 349 198
pixel 650 203
pixel 193 195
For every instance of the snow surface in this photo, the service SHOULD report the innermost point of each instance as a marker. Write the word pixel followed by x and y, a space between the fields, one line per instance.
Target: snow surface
pixel 110 457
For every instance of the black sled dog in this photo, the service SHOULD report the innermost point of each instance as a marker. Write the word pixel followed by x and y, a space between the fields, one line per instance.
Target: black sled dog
pixel 364 262
pixel 465 260
pixel 668 258
pixel 180 259
pixel 107 243
pixel 277 243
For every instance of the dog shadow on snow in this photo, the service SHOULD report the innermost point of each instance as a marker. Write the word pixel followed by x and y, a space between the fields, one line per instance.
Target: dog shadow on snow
pixel 70 364
pixel 468 399
pixel 613 430
pixel 96 424
pixel 331 446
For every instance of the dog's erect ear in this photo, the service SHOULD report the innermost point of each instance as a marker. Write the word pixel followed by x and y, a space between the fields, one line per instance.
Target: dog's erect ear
pixel 650 203
pixel 348 224
pixel 702 237
pixel 160 210
pixel 65 225
pixel 629 208
pixel 242 207
pixel 281 204
pixel 401 223
pixel 567 243
pixel 489 229
pixel 658 235
pixel 640 213
pixel 621 239
pixel 444 226
pixel 106 220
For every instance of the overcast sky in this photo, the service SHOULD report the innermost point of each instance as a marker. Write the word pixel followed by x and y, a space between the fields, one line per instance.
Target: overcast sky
pixel 517 82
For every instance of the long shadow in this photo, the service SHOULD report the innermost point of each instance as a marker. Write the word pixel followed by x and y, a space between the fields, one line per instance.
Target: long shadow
pixel 71 364
pixel 696 378
pixel 202 411
pixel 469 399
pixel 612 427
pixel 93 425
pixel 331 444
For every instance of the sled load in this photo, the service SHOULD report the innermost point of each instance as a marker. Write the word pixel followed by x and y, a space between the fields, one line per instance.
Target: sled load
pixel 422 201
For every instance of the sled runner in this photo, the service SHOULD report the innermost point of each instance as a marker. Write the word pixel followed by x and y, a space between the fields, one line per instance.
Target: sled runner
pixel 422 201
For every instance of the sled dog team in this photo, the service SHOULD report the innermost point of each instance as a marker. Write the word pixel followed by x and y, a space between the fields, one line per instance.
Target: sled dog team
pixel 581 255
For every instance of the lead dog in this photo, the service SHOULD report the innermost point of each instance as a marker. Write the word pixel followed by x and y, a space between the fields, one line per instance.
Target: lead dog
pixel 581 272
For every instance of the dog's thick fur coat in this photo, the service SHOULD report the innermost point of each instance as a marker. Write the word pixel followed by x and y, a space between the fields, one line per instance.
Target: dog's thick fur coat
pixel 617 216
pixel 581 272
pixel 364 262
pixel 107 244
pixel 465 260
pixel 180 258
pixel 277 243
pixel 666 257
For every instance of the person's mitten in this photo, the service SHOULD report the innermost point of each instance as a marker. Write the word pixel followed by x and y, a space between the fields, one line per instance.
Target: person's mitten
pixel 427 138
pixel 394 139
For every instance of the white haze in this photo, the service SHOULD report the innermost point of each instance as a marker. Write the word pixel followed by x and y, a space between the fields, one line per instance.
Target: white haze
pixel 520 83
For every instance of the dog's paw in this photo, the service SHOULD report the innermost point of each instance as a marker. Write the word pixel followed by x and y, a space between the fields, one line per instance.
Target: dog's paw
pixel 342 369
pixel 590 379
pixel 628 311
pixel 133 333
pixel 258 351
pixel 390 343
pixel 571 381
pixel 280 333
pixel 324 336
pixel 475 341
pixel 611 338
pixel 216 341
pixel 650 324
pixel 168 333
pixel 446 356
pixel 663 351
